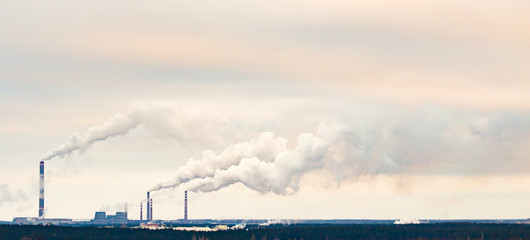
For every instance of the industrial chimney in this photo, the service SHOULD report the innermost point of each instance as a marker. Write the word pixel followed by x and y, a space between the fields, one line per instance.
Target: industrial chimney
pixel 185 206
pixel 41 190
pixel 148 216
pixel 151 210
pixel 141 213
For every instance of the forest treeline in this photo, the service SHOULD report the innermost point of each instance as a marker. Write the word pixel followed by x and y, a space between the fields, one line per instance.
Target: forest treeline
pixel 308 232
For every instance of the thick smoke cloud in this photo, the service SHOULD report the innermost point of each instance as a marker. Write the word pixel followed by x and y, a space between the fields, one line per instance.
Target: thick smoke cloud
pixel 264 164
pixel 425 142
pixel 182 125
pixel 280 176
pixel 265 147
pixel 430 144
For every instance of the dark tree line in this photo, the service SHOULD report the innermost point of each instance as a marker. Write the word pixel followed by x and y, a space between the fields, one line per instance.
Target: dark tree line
pixel 307 232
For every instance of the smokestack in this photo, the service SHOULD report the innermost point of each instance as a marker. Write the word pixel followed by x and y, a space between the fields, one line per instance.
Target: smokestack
pixel 141 213
pixel 185 206
pixel 151 210
pixel 41 190
pixel 148 209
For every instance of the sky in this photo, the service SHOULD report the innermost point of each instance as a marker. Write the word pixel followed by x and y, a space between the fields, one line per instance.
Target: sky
pixel 266 109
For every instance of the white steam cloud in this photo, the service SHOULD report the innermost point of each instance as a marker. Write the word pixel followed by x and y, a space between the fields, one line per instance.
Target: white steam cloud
pixel 281 175
pixel 408 221
pixel 119 125
pixel 425 143
pixel 432 145
pixel 264 164
pixel 265 147
pixel 182 125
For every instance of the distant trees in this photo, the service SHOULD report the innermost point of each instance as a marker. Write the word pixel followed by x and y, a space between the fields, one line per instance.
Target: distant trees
pixel 462 231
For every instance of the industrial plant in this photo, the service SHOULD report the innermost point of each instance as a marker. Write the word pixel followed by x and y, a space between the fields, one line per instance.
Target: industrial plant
pixel 100 218
pixel 120 218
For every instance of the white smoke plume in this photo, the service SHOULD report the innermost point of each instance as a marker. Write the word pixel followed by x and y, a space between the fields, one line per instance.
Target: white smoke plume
pixel 276 222
pixel 264 164
pixel 408 221
pixel 239 226
pixel 116 207
pixel 182 125
pixel 280 176
pixel 426 143
pixel 265 147
pixel 432 145
pixel 120 124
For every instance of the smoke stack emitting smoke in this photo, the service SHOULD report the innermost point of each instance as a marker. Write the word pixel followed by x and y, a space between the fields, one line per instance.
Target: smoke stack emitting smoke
pixel 264 164
pixel 119 125
pixel 182 126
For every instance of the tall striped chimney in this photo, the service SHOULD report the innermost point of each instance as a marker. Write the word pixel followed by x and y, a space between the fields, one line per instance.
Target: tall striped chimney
pixel 41 190
pixel 185 206
pixel 148 216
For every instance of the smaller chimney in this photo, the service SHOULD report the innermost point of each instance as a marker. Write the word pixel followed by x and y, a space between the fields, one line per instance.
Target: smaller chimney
pixel 141 213
pixel 185 206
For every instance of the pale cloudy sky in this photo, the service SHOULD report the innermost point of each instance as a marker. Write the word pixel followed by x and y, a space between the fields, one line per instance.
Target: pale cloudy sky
pixel 431 100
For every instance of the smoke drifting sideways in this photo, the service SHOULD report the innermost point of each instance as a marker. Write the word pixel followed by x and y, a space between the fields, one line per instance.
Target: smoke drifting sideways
pixel 430 145
pixel 120 124
pixel 264 164
pixel 181 125
pixel 421 143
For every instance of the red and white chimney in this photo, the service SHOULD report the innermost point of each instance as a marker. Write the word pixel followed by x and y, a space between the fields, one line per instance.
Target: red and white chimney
pixel 41 190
